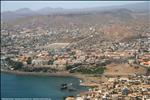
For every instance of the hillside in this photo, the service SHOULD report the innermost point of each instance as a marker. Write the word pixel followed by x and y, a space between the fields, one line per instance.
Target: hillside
pixel 118 69
pixel 82 29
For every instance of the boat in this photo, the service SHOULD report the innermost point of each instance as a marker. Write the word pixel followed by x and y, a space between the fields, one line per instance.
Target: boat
pixel 63 86
pixel 68 87
pixel 80 81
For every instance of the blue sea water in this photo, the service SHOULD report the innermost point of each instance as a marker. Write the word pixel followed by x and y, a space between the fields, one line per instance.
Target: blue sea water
pixel 30 86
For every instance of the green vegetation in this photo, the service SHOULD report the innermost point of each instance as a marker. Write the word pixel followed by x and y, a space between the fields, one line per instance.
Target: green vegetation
pixel 41 69
pixel 14 64
pixel 146 51
pixel 50 62
pixel 148 71
pixel 29 61
pixel 87 69
pixel 17 65
pixel 94 70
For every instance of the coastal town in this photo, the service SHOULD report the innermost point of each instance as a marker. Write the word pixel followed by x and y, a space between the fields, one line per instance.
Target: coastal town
pixel 116 84
pixel 111 57
pixel 59 55
pixel 134 87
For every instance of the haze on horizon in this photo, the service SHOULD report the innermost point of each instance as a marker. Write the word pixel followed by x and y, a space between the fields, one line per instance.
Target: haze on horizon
pixel 36 5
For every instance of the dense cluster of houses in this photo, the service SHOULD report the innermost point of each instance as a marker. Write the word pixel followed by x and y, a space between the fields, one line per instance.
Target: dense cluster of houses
pixel 135 87
pixel 59 58
pixel 63 57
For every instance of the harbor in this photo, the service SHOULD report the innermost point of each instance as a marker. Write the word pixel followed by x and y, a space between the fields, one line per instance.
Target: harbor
pixel 30 86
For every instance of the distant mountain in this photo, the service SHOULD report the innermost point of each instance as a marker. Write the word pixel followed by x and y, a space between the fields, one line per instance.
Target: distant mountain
pixel 138 7
pixel 49 10
pixel 8 15
pixel 25 12
pixel 45 10
pixel 83 28
pixel 20 13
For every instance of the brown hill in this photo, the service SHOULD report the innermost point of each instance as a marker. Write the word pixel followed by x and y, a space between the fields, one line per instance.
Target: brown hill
pixel 86 29
pixel 123 70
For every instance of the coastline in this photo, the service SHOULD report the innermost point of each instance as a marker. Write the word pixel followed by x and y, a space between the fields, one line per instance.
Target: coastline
pixel 64 77
pixel 61 74
pixel 35 73
pixel 84 79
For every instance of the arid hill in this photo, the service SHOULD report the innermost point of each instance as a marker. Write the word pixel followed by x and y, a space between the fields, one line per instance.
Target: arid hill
pixel 85 27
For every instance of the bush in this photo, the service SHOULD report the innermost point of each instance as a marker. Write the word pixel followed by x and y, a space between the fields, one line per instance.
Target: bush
pixel 29 61
pixel 148 71
pixel 14 64
pixel 50 62
pixel 17 65
pixel 69 67
pixel 95 70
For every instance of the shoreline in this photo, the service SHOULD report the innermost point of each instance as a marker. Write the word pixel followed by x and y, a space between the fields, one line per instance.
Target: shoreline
pixel 58 74
pixel 81 77
pixel 36 73
pixel 84 79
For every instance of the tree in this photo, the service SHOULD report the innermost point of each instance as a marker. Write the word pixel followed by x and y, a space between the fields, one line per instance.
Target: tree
pixel 50 62
pixel 17 65
pixel 14 64
pixel 9 61
pixel 29 61
pixel 148 71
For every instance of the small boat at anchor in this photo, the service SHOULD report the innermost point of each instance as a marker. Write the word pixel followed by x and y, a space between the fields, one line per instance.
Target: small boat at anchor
pixel 63 86
pixel 68 87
